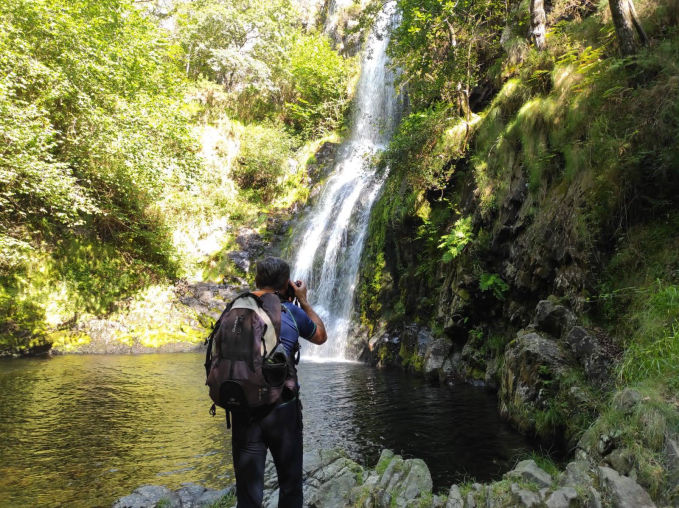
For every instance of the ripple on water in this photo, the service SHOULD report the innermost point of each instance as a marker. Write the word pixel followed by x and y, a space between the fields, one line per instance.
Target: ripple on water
pixel 84 430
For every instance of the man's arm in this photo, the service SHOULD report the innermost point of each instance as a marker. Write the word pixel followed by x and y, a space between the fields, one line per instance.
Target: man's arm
pixel 319 336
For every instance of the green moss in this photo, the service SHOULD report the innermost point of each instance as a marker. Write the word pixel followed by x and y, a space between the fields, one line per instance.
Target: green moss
pixel 382 465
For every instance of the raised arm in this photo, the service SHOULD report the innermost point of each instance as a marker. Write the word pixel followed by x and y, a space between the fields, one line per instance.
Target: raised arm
pixel 320 336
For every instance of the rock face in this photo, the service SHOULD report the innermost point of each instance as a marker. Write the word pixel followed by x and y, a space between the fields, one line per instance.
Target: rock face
pixel 589 354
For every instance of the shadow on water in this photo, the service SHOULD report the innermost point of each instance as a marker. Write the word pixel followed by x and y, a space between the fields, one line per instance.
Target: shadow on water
pixel 457 431
pixel 84 430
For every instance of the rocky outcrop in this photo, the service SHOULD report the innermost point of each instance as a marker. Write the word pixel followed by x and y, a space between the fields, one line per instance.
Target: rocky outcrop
pixel 332 480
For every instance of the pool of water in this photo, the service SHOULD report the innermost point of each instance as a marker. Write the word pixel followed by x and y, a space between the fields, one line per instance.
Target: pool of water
pixel 84 430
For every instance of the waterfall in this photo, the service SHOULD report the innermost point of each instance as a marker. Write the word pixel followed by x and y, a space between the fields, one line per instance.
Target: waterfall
pixel 330 241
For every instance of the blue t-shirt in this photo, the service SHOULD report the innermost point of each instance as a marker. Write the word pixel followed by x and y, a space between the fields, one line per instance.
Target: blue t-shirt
pixel 295 323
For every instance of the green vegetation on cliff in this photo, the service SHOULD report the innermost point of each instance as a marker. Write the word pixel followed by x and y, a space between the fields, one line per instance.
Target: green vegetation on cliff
pixel 518 174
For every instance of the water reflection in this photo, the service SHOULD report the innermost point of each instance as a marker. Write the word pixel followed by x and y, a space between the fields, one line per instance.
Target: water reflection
pixel 83 430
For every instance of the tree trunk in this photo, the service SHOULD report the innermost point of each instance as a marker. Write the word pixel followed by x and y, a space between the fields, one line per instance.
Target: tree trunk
pixel 625 22
pixel 538 19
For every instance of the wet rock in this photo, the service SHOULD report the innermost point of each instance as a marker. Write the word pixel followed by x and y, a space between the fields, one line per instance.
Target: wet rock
pixel 528 470
pixel 241 259
pixel 553 319
pixel 565 497
pixel 424 340
pixel 148 496
pixel 624 491
pixel 492 373
pixel 250 241
pixel 523 497
pixel 455 498
pixel 434 357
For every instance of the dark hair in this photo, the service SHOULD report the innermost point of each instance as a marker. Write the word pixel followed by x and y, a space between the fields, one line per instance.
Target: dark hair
pixel 272 273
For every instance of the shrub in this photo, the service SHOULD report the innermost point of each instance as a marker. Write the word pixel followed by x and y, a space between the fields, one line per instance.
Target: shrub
pixel 261 162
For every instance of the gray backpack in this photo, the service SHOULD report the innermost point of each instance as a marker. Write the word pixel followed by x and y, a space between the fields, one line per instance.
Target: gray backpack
pixel 246 365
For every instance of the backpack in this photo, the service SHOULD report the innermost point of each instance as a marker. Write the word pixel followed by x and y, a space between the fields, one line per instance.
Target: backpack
pixel 246 365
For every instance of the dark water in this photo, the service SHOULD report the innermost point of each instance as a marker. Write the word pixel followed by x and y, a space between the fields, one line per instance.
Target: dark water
pixel 84 430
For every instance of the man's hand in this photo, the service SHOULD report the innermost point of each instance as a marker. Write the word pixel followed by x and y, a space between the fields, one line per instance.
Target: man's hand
pixel 300 289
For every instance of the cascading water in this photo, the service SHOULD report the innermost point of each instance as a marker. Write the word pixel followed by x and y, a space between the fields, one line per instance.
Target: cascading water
pixel 330 243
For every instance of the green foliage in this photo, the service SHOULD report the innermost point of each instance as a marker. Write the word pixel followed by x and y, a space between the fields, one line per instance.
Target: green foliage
pixel 320 78
pixel 268 67
pixel 454 242
pixel 442 47
pixel 262 159
pixel 239 44
pixel 653 352
pixel 412 149
pixel 494 283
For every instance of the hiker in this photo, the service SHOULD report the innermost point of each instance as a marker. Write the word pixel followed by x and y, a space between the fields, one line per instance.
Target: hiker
pixel 277 427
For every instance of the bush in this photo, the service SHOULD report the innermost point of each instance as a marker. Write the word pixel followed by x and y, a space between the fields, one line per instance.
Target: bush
pixel 264 153
pixel 319 78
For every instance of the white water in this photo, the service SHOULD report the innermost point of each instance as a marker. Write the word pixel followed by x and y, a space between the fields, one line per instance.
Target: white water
pixel 330 245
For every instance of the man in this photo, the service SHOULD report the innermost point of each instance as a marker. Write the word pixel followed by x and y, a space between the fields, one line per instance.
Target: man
pixel 278 428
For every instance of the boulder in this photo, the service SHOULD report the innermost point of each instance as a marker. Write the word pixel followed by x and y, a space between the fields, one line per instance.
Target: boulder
pixel 623 491
pixel 621 459
pixel 576 474
pixel 627 400
pixel 455 499
pixel 529 471
pixel 565 497
pixel 402 481
pixel 523 497
pixel 553 319
pixel 434 357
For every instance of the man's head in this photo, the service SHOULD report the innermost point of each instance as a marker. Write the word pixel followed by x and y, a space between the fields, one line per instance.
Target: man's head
pixel 273 273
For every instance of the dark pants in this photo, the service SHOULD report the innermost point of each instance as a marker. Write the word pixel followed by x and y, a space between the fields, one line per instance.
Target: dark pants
pixel 281 432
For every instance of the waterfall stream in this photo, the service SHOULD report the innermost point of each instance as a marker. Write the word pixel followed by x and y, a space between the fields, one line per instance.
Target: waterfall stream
pixel 330 241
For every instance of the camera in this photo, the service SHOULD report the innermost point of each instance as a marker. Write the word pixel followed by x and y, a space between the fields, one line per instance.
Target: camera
pixel 289 294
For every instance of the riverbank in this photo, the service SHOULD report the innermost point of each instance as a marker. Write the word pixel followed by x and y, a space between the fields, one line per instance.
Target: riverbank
pixel 332 480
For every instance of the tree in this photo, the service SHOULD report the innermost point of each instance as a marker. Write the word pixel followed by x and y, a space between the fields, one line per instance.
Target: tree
pixel 626 24
pixel 537 23
pixel 443 46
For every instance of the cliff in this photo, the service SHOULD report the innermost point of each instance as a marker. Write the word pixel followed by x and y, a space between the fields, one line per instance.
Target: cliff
pixel 531 244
